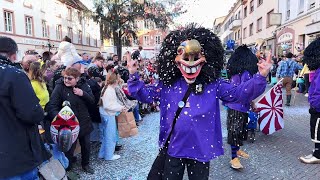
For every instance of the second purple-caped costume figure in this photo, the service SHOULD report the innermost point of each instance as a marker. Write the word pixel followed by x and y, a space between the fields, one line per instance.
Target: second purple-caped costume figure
pixel 241 67
pixel 191 57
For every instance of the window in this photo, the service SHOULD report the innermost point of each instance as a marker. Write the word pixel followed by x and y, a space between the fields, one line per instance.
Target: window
pixel 88 39
pixel 245 11
pixel 59 32
pixel 239 15
pixel 69 14
pixel 29 21
pixel 158 39
pixel 244 33
pixel 239 35
pixel 288 10
pixel 251 29
pixel 259 2
pixel 312 4
pixel 57 9
pixel 149 24
pixel 268 17
pixel 45 32
pixel 70 33
pixel 251 6
pixel 8 21
pixel 80 37
pixel 259 24
pixel 301 6
pixel 146 40
pixel 96 42
pixel 80 17
pixel 235 35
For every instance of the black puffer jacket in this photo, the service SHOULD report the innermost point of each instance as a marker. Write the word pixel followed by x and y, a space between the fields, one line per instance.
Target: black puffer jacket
pixel 21 149
pixel 94 109
pixel 79 105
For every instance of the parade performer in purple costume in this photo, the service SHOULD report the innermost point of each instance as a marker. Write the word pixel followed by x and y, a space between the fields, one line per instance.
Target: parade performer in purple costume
pixel 312 59
pixel 241 67
pixel 192 57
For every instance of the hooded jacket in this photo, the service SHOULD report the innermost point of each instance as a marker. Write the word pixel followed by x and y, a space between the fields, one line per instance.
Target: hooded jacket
pixel 21 149
pixel 79 104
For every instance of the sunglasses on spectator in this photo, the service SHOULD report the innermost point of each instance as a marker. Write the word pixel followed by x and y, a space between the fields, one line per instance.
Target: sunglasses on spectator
pixel 68 78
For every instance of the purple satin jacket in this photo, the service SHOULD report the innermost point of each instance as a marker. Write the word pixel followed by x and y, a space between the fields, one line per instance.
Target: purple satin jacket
pixel 197 134
pixel 236 80
pixel 314 91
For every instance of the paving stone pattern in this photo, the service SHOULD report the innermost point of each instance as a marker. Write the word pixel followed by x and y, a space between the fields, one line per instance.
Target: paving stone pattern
pixel 271 156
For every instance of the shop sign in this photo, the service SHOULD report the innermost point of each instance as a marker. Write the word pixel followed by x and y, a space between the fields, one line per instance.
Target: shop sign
pixel 34 42
pixel 285 37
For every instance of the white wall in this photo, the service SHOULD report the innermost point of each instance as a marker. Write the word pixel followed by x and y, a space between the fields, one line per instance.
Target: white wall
pixel 48 10
pixel 295 9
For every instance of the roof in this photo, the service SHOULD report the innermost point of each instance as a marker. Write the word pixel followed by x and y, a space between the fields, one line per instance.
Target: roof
pixel 77 4
pixel 219 20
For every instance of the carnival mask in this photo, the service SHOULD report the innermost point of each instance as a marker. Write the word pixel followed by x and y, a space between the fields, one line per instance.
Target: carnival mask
pixel 190 59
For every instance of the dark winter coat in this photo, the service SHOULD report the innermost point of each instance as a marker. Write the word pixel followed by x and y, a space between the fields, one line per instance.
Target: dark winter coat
pixel 124 73
pixel 21 149
pixel 79 105
pixel 94 109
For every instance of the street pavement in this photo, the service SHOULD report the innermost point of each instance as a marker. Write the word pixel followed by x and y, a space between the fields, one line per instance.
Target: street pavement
pixel 271 156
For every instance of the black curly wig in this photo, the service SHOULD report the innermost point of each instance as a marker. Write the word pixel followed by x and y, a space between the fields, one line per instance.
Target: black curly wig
pixel 311 55
pixel 242 60
pixel 169 73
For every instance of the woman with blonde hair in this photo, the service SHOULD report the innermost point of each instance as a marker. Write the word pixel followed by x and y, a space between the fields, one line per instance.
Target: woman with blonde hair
pixel 109 107
pixel 36 76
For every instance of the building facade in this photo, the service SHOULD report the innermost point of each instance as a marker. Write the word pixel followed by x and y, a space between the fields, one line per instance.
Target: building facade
pixel 230 30
pixel 40 25
pixel 217 25
pixel 300 24
pixel 256 24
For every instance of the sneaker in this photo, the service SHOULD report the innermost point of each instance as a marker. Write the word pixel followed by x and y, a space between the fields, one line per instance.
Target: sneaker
pixel 243 154
pixel 310 159
pixel 115 157
pixel 306 95
pixel 88 169
pixel 235 163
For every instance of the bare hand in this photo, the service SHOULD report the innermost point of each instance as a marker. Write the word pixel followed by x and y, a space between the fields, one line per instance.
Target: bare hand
pixel 78 91
pixel 131 64
pixel 264 66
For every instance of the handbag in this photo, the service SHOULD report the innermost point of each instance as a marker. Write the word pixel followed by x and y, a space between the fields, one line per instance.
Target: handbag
pixel 300 80
pixel 157 168
pixel 126 125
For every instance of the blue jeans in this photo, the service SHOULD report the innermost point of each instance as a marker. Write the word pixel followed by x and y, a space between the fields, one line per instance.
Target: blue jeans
pixel 136 112
pixel 96 134
pixel 30 175
pixel 109 136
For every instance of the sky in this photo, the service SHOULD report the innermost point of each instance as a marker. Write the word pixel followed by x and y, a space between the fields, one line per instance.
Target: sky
pixel 202 12
pixel 205 11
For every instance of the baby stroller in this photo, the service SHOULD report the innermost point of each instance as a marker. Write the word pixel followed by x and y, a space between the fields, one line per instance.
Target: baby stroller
pixel 252 125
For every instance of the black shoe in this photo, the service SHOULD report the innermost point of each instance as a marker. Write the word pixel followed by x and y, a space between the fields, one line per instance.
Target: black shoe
pixel 69 168
pixel 118 148
pixel 73 159
pixel 88 169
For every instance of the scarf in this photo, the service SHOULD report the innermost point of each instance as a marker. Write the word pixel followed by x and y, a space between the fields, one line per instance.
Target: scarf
pixel 123 100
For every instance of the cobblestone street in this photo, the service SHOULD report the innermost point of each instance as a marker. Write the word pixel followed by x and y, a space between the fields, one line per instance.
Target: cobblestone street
pixel 271 157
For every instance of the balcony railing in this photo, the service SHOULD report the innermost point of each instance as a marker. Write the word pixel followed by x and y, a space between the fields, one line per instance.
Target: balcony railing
pixel 235 24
